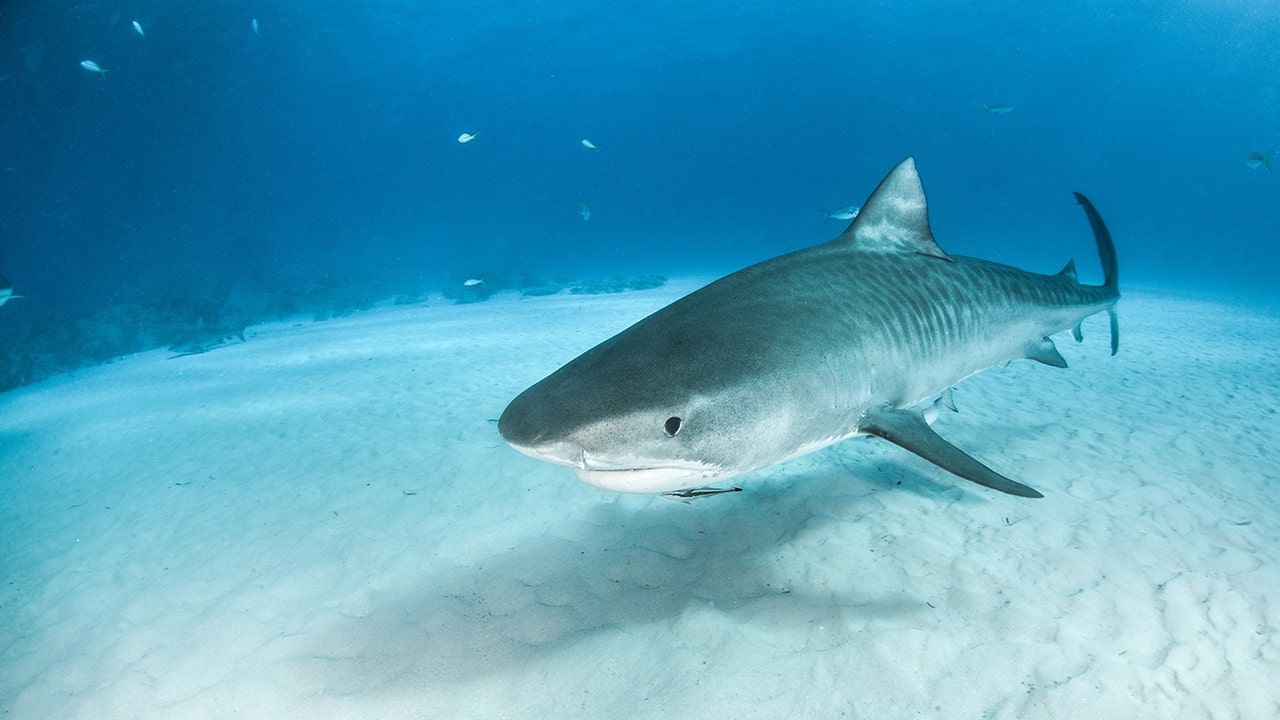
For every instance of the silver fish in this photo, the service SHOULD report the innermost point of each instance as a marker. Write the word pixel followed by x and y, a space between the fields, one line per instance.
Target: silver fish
pixel 844 213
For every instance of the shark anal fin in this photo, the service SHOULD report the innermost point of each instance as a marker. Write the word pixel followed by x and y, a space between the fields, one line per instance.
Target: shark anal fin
pixel 1046 352
pixel 909 431
pixel 931 413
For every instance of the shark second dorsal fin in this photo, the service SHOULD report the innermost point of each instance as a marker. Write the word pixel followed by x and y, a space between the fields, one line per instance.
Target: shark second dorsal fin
pixel 1069 271
pixel 895 219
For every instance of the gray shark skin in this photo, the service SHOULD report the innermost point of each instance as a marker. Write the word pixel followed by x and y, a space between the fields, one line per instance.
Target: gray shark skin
pixel 802 351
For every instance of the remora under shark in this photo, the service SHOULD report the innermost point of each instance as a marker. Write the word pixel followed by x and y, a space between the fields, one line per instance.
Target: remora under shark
pixel 805 350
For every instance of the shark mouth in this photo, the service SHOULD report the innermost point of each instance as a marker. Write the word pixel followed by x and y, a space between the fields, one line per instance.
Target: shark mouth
pixel 632 475
pixel 648 480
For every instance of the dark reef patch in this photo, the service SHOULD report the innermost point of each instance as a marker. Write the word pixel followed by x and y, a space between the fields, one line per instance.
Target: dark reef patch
pixel 33 349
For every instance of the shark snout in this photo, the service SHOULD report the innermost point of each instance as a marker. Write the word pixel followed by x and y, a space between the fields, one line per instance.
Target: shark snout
pixel 555 453
pixel 527 427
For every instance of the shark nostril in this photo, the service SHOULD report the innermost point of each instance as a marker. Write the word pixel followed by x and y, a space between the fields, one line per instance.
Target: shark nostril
pixel 672 426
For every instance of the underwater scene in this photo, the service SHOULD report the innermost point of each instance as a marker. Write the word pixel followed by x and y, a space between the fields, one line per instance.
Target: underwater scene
pixel 394 359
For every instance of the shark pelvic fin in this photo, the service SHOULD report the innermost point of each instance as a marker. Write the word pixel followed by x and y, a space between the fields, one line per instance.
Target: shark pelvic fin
pixel 1046 352
pixel 895 219
pixel 908 430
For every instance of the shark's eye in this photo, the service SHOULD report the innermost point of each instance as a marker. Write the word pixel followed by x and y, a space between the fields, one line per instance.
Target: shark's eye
pixel 672 426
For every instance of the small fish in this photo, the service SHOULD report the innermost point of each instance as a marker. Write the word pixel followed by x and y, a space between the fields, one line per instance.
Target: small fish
pixel 583 210
pixel 137 27
pixel 254 24
pixel 998 108
pixel 472 282
pixel 844 213
pixel 1257 160
pixel 93 67
pixel 6 291
pixel 695 493
pixel 468 137
pixel 590 145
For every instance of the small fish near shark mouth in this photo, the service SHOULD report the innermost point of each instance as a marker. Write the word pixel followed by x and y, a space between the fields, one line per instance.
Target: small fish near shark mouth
pixel 800 352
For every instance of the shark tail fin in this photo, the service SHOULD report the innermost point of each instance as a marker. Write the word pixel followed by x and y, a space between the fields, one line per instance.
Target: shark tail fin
pixel 1107 255
pixel 1106 248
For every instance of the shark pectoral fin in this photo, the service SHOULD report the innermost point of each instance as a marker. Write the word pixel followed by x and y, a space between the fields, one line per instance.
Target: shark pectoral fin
pixel 909 431
pixel 1046 352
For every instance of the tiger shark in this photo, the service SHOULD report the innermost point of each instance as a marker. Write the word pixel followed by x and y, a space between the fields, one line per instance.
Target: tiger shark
pixel 805 350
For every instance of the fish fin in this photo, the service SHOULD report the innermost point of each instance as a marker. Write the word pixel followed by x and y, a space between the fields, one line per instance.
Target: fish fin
pixel 1077 333
pixel 1106 248
pixel 1107 256
pixel 1069 271
pixel 909 431
pixel 1046 352
pixel 932 412
pixel 826 215
pixel 948 399
pixel 1115 329
pixel 895 219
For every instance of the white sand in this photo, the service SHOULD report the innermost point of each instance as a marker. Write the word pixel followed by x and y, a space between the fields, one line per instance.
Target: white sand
pixel 322 522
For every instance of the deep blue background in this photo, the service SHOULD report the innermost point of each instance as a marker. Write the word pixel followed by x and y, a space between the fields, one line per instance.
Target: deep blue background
pixel 326 143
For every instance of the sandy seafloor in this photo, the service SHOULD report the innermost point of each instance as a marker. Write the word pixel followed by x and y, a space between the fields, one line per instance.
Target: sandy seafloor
pixel 322 522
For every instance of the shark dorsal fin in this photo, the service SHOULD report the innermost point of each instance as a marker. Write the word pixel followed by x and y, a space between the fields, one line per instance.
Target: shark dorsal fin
pixel 895 219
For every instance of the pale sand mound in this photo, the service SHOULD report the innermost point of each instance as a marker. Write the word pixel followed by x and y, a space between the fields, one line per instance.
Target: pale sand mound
pixel 323 522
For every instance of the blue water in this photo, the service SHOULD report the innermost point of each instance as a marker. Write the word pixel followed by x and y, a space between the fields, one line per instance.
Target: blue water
pixel 324 145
